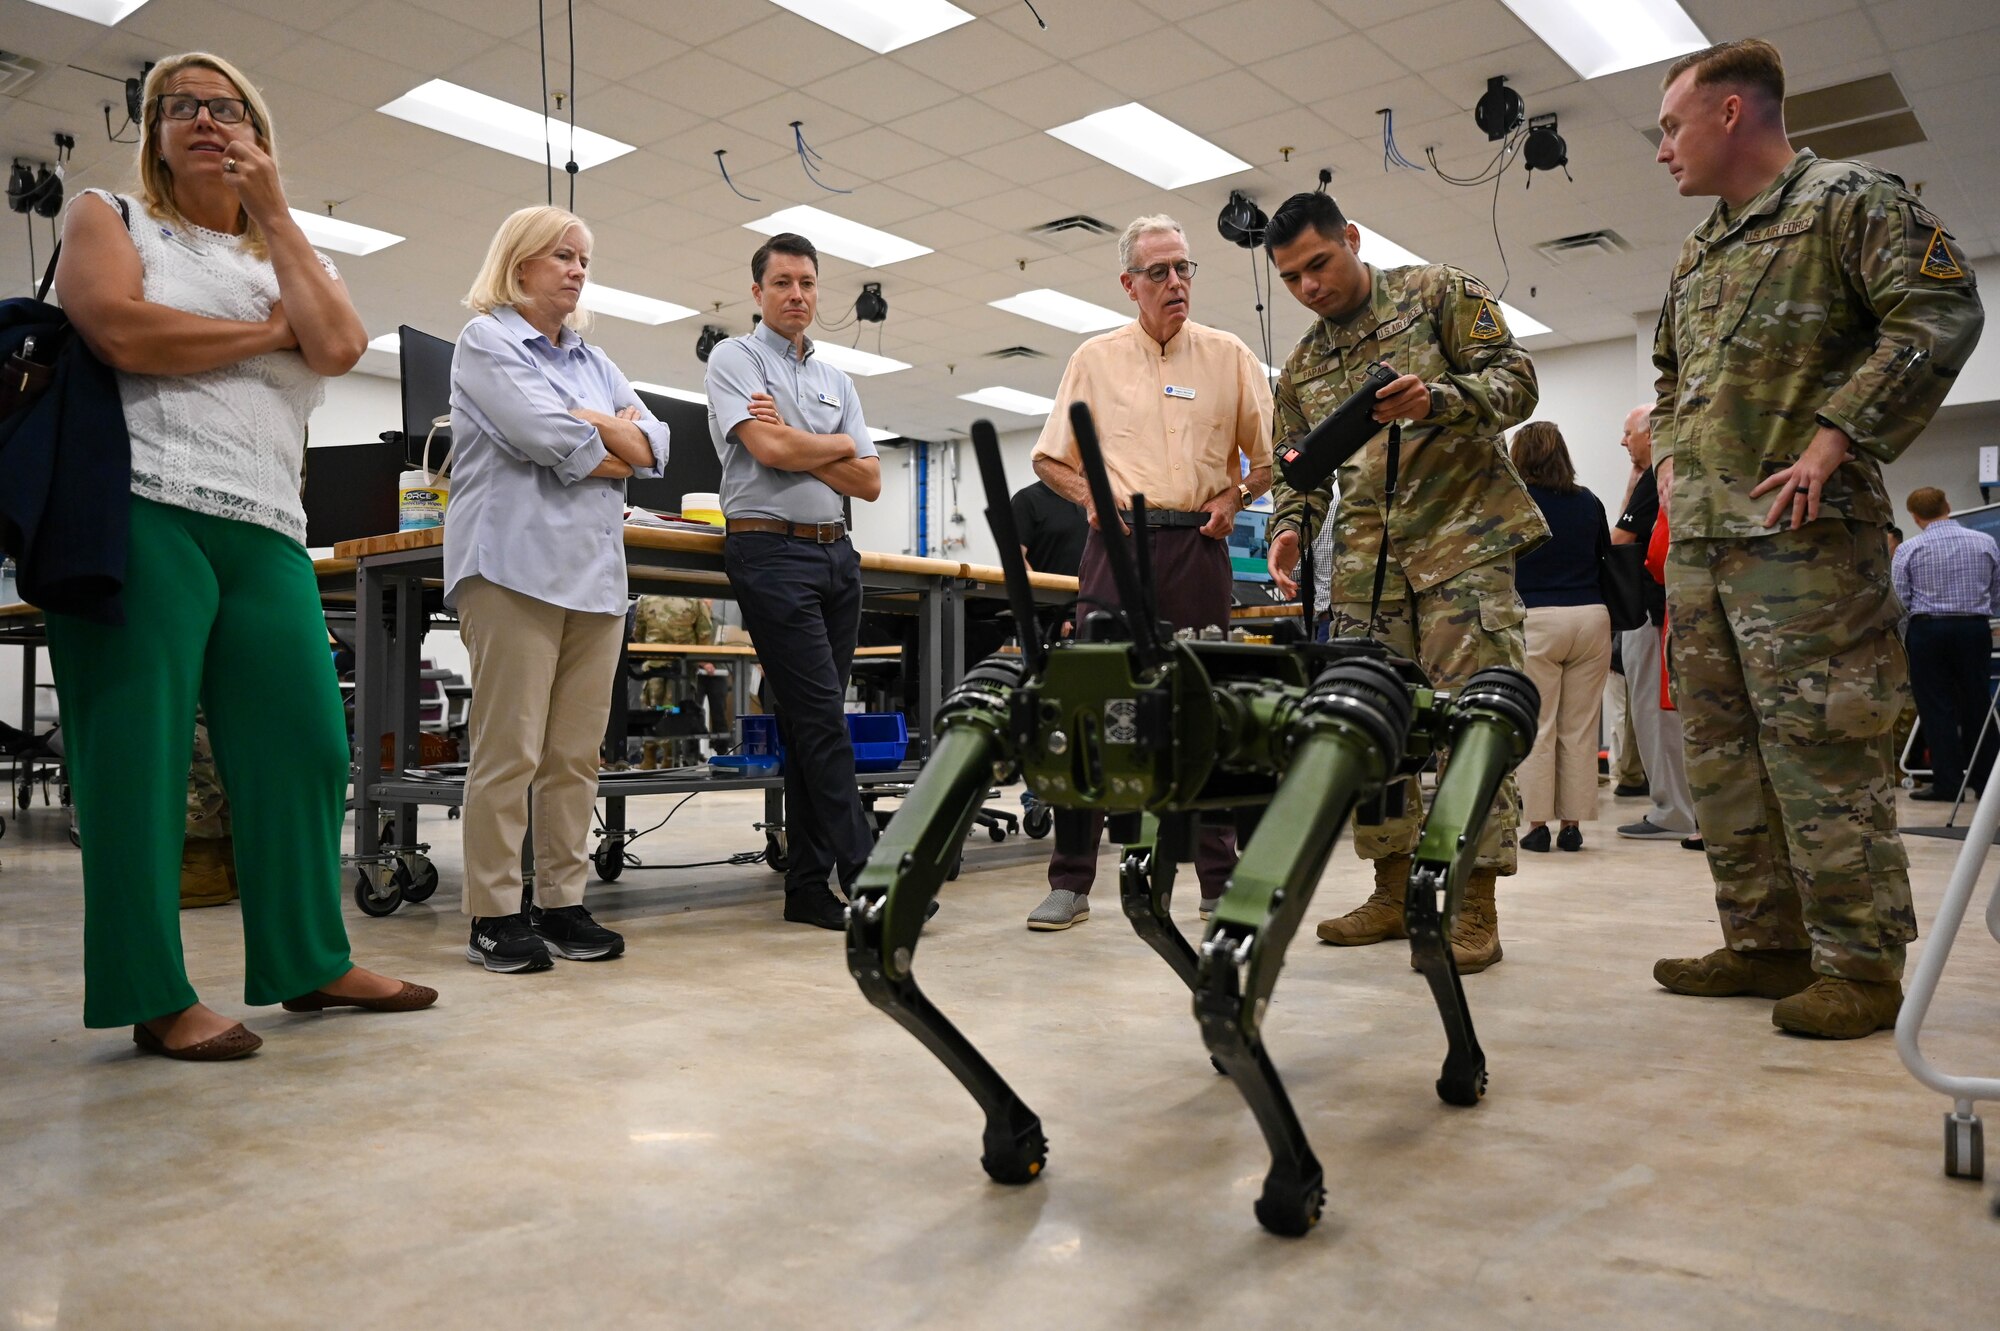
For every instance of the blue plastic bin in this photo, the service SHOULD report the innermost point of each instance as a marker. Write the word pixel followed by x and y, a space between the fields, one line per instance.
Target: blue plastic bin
pixel 758 752
pixel 881 739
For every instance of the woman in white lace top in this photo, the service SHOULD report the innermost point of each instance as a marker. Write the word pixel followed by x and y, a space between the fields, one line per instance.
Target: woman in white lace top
pixel 221 321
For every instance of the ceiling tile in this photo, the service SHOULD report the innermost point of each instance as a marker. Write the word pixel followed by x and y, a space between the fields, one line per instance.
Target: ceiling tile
pixel 701 81
pixel 878 153
pixel 880 91
pixel 1155 62
pixel 1254 30
pixel 792 50
pixel 962 126
pixel 949 183
pixel 1050 97
pixel 414 38
pixel 1458 31
pixel 974 56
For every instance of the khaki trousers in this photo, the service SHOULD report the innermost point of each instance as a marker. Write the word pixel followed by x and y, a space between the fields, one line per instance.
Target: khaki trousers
pixel 541 693
pixel 1569 654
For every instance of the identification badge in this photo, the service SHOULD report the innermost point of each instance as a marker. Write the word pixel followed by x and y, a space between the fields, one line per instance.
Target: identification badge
pixel 829 399
pixel 1187 393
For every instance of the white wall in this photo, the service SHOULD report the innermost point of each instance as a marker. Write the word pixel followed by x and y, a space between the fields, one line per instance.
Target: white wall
pixel 358 408
pixel 1587 392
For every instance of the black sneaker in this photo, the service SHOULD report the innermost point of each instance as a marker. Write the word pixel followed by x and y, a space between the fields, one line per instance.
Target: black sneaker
pixel 1570 838
pixel 817 906
pixel 572 935
pixel 505 943
pixel 1636 791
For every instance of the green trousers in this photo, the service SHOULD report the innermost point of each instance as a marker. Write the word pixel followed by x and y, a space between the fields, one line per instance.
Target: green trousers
pixel 225 613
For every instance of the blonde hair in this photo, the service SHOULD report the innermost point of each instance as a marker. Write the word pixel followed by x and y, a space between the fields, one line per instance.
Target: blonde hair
pixel 527 234
pixel 1144 226
pixel 156 181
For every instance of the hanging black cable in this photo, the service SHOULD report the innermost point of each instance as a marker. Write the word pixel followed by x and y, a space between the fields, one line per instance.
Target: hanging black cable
pixel 570 165
pixel 1506 272
pixel 724 168
pixel 807 157
pixel 548 162
pixel 1038 15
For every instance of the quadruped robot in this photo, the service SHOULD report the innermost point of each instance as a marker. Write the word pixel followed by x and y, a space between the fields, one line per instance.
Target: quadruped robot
pixel 1161 731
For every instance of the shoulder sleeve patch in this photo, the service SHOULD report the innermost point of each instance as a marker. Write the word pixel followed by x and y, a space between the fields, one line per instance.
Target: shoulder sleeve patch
pixel 1925 217
pixel 1476 290
pixel 1486 327
pixel 1939 262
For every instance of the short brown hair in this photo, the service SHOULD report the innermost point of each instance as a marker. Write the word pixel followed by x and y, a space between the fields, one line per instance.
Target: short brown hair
pixel 785 242
pixel 1750 63
pixel 1542 458
pixel 1929 504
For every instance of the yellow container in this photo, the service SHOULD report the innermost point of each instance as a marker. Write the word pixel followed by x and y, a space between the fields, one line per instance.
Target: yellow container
pixel 701 507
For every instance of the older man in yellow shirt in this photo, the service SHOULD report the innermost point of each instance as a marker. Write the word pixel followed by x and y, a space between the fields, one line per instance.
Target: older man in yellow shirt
pixel 1183 412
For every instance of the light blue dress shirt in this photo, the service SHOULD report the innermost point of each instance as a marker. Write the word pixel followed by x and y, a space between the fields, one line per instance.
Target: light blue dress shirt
pixel 810 395
pixel 525 512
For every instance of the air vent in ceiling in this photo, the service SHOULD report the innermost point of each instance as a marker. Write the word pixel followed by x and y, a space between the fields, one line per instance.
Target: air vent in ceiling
pixel 1582 245
pixel 17 72
pixel 1017 353
pixel 1853 119
pixel 1083 222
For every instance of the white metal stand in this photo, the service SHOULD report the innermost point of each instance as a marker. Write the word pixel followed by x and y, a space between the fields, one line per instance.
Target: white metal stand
pixel 1964 1145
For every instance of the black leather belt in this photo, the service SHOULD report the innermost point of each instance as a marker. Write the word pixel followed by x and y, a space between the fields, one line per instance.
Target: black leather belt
pixel 1167 517
pixel 823 533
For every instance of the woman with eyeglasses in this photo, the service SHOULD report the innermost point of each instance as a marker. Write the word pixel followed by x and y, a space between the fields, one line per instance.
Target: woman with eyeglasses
pixel 222 322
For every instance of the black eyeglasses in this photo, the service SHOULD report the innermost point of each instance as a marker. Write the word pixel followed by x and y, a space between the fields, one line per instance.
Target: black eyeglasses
pixel 1157 274
pixel 186 106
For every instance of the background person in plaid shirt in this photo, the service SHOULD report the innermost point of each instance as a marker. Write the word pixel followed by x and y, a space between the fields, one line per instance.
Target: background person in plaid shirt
pixel 1948 579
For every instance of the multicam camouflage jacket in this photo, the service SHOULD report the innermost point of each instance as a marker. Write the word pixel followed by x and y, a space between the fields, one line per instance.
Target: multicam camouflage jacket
pixel 1832 298
pixel 681 619
pixel 1458 502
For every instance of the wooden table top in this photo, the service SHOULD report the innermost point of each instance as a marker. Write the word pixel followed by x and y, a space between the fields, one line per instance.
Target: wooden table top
pixel 732 650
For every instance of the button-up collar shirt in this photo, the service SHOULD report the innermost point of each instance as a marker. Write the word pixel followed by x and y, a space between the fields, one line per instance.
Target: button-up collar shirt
pixel 1179 423
pixel 525 513
pixel 1946 569
pixel 810 394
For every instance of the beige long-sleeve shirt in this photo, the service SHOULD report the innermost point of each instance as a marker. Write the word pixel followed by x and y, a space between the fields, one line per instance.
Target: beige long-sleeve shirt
pixel 1177 423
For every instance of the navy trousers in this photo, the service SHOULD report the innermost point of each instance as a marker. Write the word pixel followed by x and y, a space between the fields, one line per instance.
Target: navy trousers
pixel 1949 657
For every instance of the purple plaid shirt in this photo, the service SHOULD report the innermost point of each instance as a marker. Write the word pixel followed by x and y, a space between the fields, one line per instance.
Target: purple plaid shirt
pixel 1946 569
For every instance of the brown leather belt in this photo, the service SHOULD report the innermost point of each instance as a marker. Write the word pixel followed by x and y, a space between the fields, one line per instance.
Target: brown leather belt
pixel 823 533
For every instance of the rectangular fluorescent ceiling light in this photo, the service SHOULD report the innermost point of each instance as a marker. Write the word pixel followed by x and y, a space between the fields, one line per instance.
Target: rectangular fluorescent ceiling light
pixel 1149 146
pixel 492 123
pixel 856 361
pixel 661 390
pixel 1011 399
pixel 106 12
pixel 331 233
pixel 838 236
pixel 881 436
pixel 1064 312
pixel 880 25
pixel 1383 252
pixel 630 305
pixel 389 342
pixel 1599 37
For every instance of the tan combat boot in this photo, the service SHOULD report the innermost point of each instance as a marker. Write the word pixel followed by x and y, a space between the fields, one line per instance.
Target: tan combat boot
pixel 1381 916
pixel 649 756
pixel 1475 934
pixel 1771 973
pixel 208 872
pixel 1836 1008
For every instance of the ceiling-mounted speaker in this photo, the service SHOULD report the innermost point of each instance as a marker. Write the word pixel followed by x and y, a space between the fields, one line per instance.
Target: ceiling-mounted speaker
pixel 1241 221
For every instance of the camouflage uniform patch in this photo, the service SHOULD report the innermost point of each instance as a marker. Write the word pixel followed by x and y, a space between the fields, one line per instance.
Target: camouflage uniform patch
pixel 1809 307
pixel 1453 629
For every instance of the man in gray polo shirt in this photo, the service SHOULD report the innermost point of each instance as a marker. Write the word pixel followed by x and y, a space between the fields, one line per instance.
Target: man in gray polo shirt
pixel 788 429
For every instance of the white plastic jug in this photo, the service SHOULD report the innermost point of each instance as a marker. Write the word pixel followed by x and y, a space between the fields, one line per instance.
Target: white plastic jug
pixel 421 495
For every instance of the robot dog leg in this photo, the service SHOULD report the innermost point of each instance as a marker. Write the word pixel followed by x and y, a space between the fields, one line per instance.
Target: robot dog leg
pixel 1350 732
pixel 902 877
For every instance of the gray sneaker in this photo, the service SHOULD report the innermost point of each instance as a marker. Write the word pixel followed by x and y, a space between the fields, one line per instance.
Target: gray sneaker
pixel 1059 910
pixel 1647 830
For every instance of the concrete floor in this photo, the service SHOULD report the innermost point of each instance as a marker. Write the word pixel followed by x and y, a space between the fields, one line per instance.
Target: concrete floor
pixel 717 1131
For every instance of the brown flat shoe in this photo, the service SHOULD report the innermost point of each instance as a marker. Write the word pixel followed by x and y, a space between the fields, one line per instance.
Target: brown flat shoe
pixel 235 1042
pixel 409 998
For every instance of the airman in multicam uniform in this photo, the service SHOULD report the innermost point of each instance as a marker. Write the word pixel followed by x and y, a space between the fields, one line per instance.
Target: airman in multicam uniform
pixel 208 852
pixel 1813 325
pixel 681 619
pixel 1448 535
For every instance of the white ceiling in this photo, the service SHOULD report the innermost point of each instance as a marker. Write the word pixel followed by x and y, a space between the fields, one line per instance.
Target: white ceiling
pixel 942 142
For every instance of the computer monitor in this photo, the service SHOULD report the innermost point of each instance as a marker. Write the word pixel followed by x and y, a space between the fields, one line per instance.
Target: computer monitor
pixel 426 389
pixel 351 491
pixel 1985 518
pixel 1250 547
pixel 692 465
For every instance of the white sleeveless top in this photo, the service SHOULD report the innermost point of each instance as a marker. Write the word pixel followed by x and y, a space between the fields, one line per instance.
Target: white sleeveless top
pixel 228 442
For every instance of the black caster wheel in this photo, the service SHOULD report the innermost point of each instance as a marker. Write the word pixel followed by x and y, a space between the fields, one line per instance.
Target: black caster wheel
pixel 1039 821
pixel 956 865
pixel 1216 1063
pixel 996 833
pixel 1293 1212
pixel 62 793
pixel 3 827
pixel 24 794
pixel 452 813
pixel 418 877
pixel 609 860
pixel 1964 1147
pixel 775 858
pixel 369 902
pixel 1022 1162
pixel 1462 1086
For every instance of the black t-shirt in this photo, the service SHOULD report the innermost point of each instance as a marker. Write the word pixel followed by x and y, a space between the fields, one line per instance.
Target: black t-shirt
pixel 1051 528
pixel 1640 514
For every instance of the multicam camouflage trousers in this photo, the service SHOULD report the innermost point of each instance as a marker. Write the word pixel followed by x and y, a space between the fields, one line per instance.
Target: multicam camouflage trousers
pixel 1454 629
pixel 207 805
pixel 1789 679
